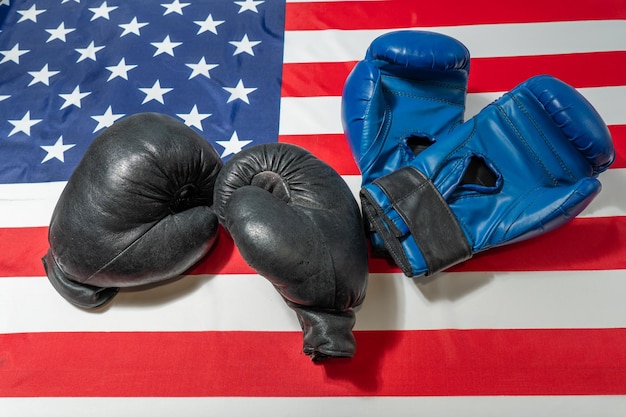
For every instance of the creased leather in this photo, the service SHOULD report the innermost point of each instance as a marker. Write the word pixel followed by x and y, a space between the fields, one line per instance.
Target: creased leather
pixel 543 146
pixel 296 222
pixel 136 211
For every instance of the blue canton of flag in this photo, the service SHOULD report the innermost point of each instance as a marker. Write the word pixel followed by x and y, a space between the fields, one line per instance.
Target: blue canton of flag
pixel 69 70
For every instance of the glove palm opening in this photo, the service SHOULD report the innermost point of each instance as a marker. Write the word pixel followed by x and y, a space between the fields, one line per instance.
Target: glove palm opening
pixel 478 172
pixel 185 198
pixel 418 143
pixel 273 183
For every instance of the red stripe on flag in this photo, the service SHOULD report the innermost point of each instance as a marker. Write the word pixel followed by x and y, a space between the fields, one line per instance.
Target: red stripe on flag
pixel 579 70
pixel 315 79
pixel 486 74
pixel 594 243
pixel 584 244
pixel 387 363
pixel 409 13
pixel 21 250
pixel 224 258
pixel 24 260
pixel 618 132
pixel 333 149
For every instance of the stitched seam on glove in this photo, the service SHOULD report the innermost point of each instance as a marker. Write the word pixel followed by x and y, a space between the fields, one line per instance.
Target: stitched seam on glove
pixel 528 202
pixel 437 100
pixel 433 212
pixel 531 152
pixel 562 164
pixel 126 249
pixel 444 162
pixel 376 217
pixel 329 262
pixel 385 127
pixel 447 212
pixel 428 82
pixel 366 116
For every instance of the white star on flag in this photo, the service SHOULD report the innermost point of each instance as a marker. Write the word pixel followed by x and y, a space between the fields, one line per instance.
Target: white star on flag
pixel 102 11
pixel 248 5
pixel 175 7
pixel 30 14
pixel 120 70
pixel 56 151
pixel 133 27
pixel 165 47
pixel 59 33
pixel 239 92
pixel 233 145
pixel 128 60
pixel 42 76
pixel 193 118
pixel 13 54
pixel 208 25
pixel 23 125
pixel 88 52
pixel 107 119
pixel 201 68
pixel 73 98
pixel 155 92
pixel 244 45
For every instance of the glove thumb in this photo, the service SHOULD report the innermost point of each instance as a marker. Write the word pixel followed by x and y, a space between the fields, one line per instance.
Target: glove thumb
pixel 546 209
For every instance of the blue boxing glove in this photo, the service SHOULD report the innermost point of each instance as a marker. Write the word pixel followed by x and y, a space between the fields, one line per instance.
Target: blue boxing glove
pixel 526 164
pixel 409 90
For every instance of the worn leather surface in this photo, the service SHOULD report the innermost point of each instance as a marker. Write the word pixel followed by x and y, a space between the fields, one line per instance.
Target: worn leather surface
pixel 296 222
pixel 136 211
pixel 526 164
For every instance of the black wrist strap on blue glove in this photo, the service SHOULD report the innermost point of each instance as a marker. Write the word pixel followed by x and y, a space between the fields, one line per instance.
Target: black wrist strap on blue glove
pixel 430 221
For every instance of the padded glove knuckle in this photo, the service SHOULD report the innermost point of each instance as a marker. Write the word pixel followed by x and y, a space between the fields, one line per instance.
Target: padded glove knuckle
pixel 296 222
pixel 135 211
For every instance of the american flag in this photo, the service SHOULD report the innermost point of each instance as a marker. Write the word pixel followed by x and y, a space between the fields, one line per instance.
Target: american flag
pixel 536 328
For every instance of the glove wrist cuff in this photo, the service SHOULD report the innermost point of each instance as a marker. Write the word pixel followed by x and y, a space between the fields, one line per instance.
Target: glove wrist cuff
pixel 81 295
pixel 415 223
pixel 326 333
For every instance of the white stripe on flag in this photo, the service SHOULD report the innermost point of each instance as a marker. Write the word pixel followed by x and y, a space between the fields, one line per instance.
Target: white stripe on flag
pixel 476 406
pixel 28 204
pixel 310 115
pixel 470 300
pixel 322 115
pixel 603 99
pixel 33 204
pixel 497 40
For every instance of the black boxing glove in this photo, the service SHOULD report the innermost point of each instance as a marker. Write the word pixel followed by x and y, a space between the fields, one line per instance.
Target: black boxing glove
pixel 136 211
pixel 296 222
